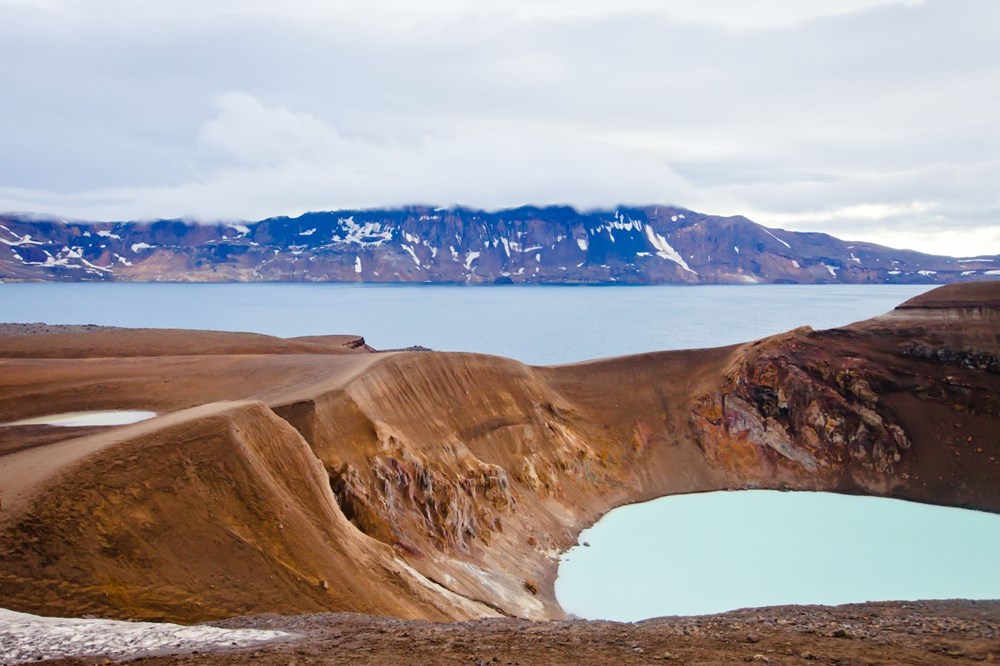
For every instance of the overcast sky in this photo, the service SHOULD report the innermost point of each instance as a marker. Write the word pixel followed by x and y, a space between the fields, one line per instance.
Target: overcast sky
pixel 869 119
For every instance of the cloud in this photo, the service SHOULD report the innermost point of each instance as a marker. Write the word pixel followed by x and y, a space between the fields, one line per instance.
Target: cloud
pixel 249 132
pixel 733 14
pixel 275 159
pixel 865 118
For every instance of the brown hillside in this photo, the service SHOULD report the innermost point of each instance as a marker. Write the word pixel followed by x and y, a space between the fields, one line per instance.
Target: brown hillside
pixel 473 470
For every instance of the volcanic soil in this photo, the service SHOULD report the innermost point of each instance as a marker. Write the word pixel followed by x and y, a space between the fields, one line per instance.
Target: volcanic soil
pixel 924 633
pixel 313 476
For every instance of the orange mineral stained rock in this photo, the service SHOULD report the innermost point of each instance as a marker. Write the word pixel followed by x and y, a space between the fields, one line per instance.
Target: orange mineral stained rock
pixel 434 485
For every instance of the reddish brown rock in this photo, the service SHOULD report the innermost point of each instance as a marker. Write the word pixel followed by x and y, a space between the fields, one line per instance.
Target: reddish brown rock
pixel 450 479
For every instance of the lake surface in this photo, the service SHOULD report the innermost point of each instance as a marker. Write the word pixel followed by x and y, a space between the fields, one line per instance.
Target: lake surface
pixel 712 552
pixel 534 324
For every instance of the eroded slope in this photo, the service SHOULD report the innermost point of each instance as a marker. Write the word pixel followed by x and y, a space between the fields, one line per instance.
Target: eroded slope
pixel 215 510
pixel 473 470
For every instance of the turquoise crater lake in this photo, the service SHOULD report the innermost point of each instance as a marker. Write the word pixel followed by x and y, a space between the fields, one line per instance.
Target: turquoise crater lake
pixel 712 552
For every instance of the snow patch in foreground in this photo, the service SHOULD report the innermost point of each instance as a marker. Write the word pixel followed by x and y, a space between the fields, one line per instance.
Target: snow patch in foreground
pixel 25 638
pixel 86 419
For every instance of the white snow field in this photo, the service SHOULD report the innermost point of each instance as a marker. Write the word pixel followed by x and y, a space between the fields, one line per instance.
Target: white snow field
pixel 26 638
pixel 79 419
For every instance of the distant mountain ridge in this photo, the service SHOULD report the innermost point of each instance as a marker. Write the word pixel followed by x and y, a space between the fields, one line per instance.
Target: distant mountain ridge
pixel 540 245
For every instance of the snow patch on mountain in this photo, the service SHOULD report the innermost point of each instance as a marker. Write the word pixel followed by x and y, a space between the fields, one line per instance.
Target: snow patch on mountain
pixel 369 233
pixel 413 254
pixel 665 250
pixel 776 238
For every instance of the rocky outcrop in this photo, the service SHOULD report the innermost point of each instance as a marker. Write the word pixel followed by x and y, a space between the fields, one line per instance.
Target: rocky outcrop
pixel 455 460
pixel 789 397
pixel 627 245
pixel 444 485
pixel 844 408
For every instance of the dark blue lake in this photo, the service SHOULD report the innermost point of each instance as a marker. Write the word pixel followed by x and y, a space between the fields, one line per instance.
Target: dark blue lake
pixel 539 325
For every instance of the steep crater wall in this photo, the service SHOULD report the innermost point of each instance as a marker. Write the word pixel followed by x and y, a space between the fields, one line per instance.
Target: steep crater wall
pixel 444 486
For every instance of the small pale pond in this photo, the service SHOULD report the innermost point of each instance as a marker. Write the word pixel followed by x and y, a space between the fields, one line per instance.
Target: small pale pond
pixel 84 419
pixel 712 552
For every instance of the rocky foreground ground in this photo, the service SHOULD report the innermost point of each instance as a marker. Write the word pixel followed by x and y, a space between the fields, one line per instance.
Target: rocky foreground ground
pixel 928 632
